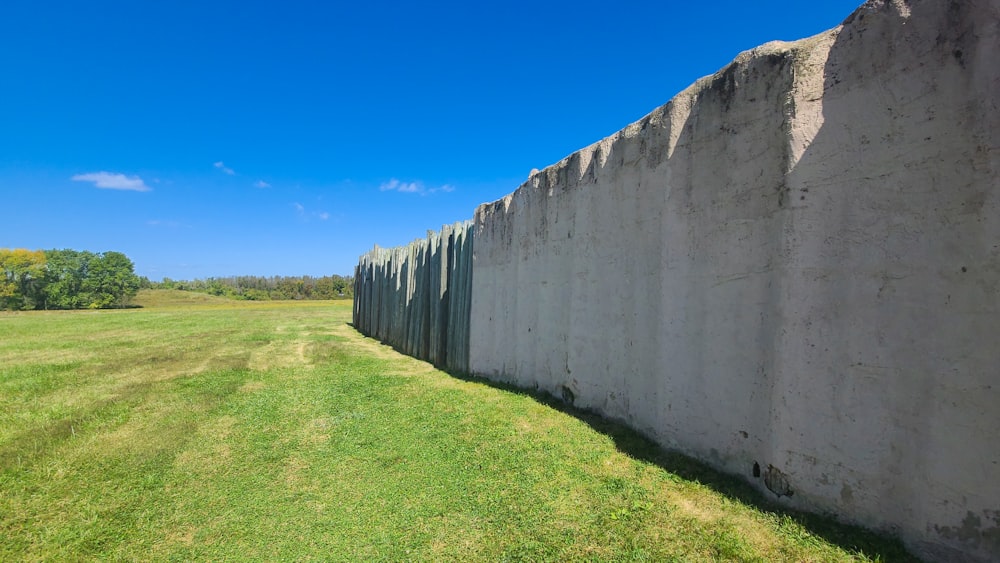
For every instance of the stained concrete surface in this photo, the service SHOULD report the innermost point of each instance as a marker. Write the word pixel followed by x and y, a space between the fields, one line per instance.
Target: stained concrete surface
pixel 793 266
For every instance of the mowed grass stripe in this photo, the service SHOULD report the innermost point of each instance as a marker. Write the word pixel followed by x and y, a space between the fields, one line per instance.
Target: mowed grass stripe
pixel 204 429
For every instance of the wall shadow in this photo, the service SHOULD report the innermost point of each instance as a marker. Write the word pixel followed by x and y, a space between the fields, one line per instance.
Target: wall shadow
pixel 854 539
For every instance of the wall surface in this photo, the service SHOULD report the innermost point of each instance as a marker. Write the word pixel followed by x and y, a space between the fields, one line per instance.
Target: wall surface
pixel 791 270
pixel 416 298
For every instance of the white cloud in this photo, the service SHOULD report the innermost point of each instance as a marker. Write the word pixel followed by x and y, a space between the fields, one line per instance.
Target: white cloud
pixel 403 187
pixel 261 184
pixel 306 215
pixel 417 187
pixel 224 168
pixel 113 181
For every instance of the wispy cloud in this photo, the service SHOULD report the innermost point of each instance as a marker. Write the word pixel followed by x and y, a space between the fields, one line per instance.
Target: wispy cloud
pixel 416 187
pixel 261 184
pixel 221 166
pixel 113 181
pixel 403 187
pixel 305 215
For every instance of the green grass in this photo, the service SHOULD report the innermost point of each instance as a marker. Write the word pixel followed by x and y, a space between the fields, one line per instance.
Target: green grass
pixel 197 428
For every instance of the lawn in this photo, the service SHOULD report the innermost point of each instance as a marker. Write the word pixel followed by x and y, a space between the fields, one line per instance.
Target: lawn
pixel 197 428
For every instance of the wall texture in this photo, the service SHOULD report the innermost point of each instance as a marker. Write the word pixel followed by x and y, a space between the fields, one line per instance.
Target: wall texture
pixel 416 298
pixel 791 270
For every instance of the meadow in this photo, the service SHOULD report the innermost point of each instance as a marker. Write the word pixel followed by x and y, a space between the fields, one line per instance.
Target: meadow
pixel 199 428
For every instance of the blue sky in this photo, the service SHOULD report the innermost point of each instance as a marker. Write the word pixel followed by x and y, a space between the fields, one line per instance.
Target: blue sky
pixel 286 138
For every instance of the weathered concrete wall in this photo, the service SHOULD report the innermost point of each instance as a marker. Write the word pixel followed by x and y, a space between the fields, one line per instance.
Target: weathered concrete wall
pixel 416 298
pixel 792 270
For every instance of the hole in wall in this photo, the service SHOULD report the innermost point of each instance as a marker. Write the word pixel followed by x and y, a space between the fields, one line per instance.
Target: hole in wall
pixel 756 469
pixel 777 482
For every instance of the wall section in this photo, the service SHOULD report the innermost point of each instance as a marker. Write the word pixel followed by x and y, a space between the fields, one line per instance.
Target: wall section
pixel 416 298
pixel 794 265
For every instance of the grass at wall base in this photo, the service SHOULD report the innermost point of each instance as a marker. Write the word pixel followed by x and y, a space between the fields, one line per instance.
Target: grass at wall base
pixel 198 428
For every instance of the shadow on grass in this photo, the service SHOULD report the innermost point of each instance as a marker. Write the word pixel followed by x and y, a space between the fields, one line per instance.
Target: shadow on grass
pixel 854 539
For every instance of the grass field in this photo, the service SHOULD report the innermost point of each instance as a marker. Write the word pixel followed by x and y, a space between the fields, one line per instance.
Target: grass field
pixel 197 428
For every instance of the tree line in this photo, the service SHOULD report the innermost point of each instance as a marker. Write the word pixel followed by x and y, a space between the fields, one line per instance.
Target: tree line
pixel 265 288
pixel 73 279
pixel 65 279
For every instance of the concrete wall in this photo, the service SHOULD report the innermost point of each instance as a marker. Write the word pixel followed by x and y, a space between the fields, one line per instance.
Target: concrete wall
pixel 416 298
pixel 793 266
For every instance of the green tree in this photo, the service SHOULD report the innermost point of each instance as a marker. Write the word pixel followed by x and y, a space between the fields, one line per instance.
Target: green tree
pixel 110 281
pixel 65 274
